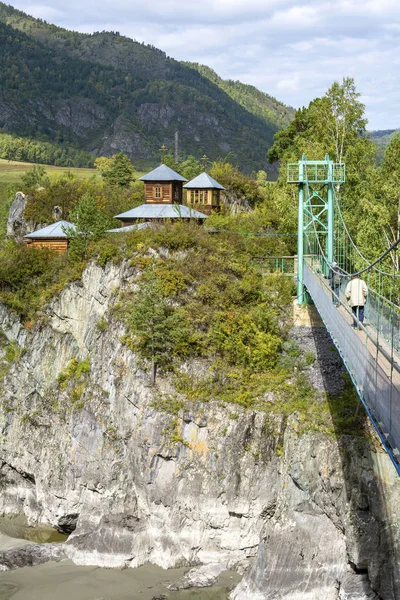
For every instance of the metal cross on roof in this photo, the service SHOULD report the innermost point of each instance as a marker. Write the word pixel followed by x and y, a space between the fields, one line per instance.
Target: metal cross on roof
pixel 163 150
pixel 204 158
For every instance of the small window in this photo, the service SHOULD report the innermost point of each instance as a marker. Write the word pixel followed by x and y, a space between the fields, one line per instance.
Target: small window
pixel 157 192
pixel 192 196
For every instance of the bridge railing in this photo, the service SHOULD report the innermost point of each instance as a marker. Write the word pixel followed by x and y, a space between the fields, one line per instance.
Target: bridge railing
pixel 272 265
pixel 373 368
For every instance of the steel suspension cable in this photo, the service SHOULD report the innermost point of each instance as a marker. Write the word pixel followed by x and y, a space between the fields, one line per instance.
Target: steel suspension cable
pixel 356 247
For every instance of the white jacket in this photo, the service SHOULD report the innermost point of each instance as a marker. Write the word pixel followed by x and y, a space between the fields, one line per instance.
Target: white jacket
pixel 356 292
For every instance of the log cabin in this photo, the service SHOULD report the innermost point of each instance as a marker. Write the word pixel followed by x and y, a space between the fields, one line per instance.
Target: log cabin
pixel 53 237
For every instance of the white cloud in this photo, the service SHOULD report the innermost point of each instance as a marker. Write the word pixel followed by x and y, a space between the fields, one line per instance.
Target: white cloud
pixel 291 49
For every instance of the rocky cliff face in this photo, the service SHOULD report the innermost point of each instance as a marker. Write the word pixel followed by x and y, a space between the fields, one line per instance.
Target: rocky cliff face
pixel 94 450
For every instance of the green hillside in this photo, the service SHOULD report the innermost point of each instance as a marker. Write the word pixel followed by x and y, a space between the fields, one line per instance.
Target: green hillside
pixel 382 138
pixel 105 93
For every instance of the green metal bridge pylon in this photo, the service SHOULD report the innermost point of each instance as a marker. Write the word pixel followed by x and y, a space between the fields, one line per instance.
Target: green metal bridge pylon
pixel 315 179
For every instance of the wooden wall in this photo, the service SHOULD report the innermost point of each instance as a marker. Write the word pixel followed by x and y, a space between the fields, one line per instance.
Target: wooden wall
pixel 59 245
pixel 163 192
pixel 204 200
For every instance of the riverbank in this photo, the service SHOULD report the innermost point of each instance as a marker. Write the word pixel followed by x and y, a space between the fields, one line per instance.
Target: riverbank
pixel 66 580
pixel 93 583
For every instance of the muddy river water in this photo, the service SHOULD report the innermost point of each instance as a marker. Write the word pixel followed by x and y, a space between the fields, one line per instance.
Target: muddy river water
pixel 65 581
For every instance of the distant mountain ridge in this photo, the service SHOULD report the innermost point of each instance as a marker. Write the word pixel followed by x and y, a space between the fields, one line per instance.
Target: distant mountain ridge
pixel 382 137
pixel 105 93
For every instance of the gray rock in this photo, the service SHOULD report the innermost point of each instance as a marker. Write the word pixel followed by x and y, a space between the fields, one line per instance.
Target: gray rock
pixel 17 226
pixel 318 520
pixel 29 556
pixel 57 213
pixel 204 576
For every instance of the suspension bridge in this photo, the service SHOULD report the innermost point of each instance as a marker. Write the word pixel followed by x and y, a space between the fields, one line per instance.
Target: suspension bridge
pixel 371 350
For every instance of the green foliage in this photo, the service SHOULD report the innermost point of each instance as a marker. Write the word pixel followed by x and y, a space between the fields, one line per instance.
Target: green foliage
pixel 67 191
pixel 188 168
pixel 74 370
pixel 35 177
pixel 334 124
pixel 376 224
pixel 102 324
pixel 208 300
pixel 168 404
pixel 105 251
pixel 382 138
pixel 240 190
pixel 74 379
pixel 12 352
pixel 36 151
pixel 90 224
pixel 119 170
pixel 103 163
pixel 245 338
pixel 159 330
pixel 29 277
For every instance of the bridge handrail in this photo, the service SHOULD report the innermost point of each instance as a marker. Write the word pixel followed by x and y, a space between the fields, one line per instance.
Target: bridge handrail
pixel 376 343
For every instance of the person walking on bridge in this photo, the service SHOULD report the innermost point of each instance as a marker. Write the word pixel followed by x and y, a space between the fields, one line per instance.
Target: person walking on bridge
pixel 334 276
pixel 356 294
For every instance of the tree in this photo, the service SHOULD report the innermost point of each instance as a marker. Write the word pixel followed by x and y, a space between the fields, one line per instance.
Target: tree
pixel 331 124
pixel 120 171
pixel 90 225
pixel 35 177
pixel 170 161
pixel 388 191
pixel 158 328
pixel 334 124
pixel 241 192
pixel 103 163
pixel 190 168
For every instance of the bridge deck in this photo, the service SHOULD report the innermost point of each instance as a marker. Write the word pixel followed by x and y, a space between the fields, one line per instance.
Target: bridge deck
pixel 372 364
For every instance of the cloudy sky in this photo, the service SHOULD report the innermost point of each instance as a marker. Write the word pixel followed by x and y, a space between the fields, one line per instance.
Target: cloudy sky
pixel 291 49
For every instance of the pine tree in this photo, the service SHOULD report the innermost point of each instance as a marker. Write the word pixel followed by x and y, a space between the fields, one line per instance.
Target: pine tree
pixel 120 171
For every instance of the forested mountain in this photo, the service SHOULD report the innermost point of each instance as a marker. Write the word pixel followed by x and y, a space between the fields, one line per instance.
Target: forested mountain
pixel 105 93
pixel 382 138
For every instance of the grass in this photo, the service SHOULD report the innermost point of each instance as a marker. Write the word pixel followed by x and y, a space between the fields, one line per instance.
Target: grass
pixel 12 171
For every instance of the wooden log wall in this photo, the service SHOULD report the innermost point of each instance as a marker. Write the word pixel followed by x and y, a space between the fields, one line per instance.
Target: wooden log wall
pixel 163 192
pixel 59 246
pixel 164 195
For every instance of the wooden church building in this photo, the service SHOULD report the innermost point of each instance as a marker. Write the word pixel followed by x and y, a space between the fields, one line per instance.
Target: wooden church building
pixel 163 199
pixel 163 186
pixel 204 193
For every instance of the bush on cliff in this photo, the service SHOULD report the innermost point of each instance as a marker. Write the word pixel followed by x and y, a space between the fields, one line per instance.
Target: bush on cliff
pixel 198 295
